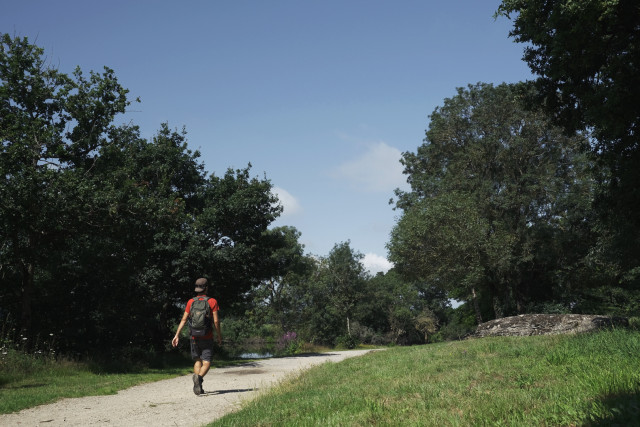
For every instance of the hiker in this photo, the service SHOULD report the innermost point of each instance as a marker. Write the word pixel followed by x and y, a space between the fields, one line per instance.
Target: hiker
pixel 201 334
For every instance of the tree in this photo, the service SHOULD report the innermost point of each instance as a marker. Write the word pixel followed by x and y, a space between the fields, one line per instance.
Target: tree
pixel 274 298
pixel 585 54
pixel 346 276
pixel 492 188
pixel 327 297
pixel 444 240
pixel 427 323
pixel 229 241
pixel 51 126
pixel 391 306
pixel 117 266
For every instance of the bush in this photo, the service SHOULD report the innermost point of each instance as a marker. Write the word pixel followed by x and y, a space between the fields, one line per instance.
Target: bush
pixel 346 341
pixel 288 344
pixel 549 308
pixel 366 335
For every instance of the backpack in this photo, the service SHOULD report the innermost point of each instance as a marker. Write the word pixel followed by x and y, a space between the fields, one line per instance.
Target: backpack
pixel 200 317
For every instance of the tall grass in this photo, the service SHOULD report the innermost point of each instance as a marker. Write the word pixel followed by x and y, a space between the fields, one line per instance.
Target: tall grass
pixel 591 379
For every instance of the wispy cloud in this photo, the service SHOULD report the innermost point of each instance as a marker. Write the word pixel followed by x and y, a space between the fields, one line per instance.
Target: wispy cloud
pixel 377 170
pixel 376 263
pixel 289 203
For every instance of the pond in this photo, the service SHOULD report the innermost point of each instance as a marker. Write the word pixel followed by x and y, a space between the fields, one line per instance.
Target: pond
pixel 255 355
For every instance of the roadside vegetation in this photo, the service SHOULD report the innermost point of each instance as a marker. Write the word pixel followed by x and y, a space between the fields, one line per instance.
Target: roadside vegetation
pixel 589 379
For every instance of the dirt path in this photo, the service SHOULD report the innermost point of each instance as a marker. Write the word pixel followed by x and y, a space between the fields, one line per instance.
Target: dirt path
pixel 172 402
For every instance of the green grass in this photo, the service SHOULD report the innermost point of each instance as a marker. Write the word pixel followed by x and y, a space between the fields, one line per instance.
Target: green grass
pixel 589 379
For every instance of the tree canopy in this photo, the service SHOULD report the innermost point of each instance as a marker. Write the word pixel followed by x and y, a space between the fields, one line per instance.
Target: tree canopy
pixel 497 203
pixel 585 54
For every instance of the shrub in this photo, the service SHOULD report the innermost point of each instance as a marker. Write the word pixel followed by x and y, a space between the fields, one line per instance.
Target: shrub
pixel 346 341
pixel 288 344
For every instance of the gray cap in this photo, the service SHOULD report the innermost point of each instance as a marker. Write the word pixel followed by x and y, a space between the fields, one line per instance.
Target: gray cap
pixel 201 284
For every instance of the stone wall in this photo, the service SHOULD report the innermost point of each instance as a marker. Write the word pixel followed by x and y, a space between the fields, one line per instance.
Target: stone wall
pixel 546 324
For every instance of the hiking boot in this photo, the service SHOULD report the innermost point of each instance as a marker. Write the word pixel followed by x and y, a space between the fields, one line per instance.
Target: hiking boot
pixel 197 386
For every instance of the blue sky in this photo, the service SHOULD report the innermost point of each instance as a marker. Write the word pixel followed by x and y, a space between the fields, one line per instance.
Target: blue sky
pixel 322 97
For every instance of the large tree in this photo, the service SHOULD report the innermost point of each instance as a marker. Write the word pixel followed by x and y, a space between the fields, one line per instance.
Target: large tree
pixel 230 238
pixel 326 301
pixel 274 300
pixel 51 126
pixel 585 54
pixel 495 191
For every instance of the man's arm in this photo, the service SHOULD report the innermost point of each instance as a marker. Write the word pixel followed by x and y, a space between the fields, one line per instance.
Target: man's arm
pixel 216 323
pixel 183 322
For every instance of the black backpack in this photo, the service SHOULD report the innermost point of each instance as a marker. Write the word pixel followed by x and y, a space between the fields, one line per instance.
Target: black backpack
pixel 200 317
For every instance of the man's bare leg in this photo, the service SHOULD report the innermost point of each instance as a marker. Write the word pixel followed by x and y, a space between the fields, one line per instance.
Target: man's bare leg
pixel 197 379
pixel 204 368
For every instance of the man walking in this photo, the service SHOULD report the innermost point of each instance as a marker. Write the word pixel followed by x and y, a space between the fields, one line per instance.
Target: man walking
pixel 201 341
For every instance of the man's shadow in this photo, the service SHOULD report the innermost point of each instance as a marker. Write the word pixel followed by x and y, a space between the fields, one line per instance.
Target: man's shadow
pixel 236 390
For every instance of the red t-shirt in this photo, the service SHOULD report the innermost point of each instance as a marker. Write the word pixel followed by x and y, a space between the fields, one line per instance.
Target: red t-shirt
pixel 214 307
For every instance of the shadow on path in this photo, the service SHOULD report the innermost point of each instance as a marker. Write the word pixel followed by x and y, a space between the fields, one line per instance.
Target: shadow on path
pixel 237 390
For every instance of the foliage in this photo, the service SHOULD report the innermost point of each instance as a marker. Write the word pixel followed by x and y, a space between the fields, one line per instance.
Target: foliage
pixel 273 299
pixel 426 323
pixel 111 229
pixel 289 344
pixel 585 55
pixel 498 206
pixel 325 302
pixel 51 126
pixel 348 342
pixel 459 324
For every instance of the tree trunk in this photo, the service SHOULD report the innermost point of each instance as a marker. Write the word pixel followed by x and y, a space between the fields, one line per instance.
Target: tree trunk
pixel 497 308
pixel 348 327
pixel 27 294
pixel 476 306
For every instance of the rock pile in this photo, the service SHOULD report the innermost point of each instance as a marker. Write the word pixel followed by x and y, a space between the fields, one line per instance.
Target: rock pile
pixel 546 324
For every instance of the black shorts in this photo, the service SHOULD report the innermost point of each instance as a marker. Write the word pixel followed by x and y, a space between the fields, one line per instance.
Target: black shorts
pixel 202 349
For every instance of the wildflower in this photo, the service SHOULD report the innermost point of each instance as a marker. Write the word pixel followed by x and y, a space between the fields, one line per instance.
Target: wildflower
pixel 24 338
pixel 50 335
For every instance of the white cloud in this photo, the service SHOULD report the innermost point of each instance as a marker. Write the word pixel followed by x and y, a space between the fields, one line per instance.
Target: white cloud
pixel 289 203
pixel 376 263
pixel 378 169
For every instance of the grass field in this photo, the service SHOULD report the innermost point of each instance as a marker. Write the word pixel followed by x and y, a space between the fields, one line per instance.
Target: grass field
pixel 591 379
pixel 579 380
